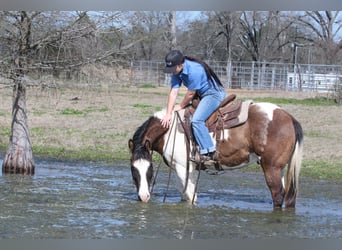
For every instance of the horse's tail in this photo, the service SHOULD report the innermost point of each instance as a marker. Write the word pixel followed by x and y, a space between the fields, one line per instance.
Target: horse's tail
pixel 293 168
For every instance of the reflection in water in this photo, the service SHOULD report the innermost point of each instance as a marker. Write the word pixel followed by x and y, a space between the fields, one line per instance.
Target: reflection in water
pixel 142 220
pixel 87 200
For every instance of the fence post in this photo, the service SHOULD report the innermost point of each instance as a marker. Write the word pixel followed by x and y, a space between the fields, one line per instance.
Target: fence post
pixel 229 73
pixel 252 74
pixel 131 74
pixel 273 77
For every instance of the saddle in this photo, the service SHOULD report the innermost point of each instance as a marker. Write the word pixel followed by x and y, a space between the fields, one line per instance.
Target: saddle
pixel 230 113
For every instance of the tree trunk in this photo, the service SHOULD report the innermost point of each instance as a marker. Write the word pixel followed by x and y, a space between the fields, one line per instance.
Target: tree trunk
pixel 19 158
pixel 172 29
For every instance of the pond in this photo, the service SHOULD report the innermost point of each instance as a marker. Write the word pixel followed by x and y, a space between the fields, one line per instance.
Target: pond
pixel 74 200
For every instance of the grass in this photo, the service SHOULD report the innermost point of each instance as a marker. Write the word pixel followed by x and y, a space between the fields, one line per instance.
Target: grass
pixel 146 108
pixel 323 169
pixel 318 101
pixel 148 86
pixel 71 111
pixel 141 106
pixel 97 127
pixel 5 132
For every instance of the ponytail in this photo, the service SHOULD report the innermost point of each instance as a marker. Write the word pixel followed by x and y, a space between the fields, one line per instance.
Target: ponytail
pixel 208 71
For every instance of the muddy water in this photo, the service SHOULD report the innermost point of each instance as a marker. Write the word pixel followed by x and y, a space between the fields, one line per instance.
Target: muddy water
pixel 85 200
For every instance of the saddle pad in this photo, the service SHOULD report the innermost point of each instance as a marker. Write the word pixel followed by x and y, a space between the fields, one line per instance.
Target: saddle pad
pixel 243 116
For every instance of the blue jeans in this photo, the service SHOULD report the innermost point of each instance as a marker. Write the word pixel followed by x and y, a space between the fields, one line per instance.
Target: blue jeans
pixel 210 101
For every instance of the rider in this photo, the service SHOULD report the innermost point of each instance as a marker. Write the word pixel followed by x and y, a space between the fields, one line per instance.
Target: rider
pixel 199 79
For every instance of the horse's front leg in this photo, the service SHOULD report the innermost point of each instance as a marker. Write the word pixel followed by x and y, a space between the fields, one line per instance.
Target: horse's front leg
pixel 188 188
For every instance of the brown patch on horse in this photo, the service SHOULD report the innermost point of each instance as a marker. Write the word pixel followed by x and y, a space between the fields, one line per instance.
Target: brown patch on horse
pixel 235 149
pixel 244 139
pixel 280 137
pixel 154 134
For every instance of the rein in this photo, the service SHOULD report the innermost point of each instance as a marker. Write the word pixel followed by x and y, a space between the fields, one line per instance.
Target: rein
pixel 173 151
pixel 187 143
pixel 155 176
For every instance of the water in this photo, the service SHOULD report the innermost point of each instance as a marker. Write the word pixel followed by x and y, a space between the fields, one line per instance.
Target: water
pixel 91 200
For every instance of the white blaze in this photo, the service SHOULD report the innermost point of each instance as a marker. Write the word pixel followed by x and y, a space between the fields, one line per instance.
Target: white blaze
pixel 142 166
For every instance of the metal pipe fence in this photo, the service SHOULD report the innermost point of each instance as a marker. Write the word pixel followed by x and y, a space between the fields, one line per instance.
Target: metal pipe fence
pixel 235 75
pixel 252 75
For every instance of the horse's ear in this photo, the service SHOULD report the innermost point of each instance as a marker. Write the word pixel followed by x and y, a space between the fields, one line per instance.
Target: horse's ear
pixel 148 145
pixel 131 145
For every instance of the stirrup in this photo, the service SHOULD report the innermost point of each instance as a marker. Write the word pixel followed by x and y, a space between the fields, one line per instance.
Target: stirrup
pixel 195 158
pixel 212 160
pixel 205 159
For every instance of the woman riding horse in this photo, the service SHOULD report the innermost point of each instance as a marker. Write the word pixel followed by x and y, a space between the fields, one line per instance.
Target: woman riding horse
pixel 199 79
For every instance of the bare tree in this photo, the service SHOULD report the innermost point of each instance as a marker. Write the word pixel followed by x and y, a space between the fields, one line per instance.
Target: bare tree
pixel 200 38
pixel 171 31
pixel 323 29
pixel 18 158
pixel 251 34
pixel 227 23
pixel 265 35
pixel 148 28
pixel 33 41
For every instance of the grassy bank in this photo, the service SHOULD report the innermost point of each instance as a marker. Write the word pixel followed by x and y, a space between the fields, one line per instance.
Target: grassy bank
pixel 94 124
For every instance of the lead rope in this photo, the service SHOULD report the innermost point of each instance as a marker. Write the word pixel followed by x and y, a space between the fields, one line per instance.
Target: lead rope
pixel 155 176
pixel 188 165
pixel 187 144
pixel 172 157
pixel 196 185
pixel 173 150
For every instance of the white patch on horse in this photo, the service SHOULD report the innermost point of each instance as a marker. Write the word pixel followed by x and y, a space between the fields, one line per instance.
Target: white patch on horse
pixel 174 141
pixel 142 166
pixel 160 114
pixel 268 109
pixel 224 135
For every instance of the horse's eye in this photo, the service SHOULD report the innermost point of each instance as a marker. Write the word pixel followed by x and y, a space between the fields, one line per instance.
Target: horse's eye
pixel 135 175
pixel 149 173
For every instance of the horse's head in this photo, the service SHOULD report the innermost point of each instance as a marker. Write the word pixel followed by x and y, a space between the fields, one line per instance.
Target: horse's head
pixel 141 168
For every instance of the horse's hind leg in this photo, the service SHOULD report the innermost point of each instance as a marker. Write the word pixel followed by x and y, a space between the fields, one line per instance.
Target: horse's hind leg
pixel 273 178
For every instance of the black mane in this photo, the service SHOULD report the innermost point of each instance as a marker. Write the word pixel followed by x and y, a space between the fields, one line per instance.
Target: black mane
pixel 140 151
pixel 139 133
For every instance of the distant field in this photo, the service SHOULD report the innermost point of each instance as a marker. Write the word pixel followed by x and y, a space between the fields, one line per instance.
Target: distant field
pixel 94 124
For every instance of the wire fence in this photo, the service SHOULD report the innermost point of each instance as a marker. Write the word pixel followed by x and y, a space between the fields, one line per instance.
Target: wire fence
pixel 253 75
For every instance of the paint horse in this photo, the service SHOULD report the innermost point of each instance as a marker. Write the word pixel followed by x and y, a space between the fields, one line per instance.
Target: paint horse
pixel 270 135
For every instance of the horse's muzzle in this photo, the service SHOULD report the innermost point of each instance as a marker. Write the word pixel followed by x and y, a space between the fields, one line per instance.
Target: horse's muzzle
pixel 144 197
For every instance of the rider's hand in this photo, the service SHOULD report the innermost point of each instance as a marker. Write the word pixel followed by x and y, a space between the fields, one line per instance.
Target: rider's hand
pixel 165 122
